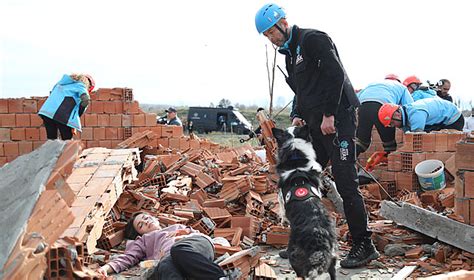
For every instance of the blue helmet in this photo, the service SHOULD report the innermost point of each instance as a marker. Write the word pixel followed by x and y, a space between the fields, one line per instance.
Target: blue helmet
pixel 268 16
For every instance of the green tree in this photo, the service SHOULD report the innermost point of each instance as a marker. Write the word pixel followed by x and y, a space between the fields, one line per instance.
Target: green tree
pixel 224 103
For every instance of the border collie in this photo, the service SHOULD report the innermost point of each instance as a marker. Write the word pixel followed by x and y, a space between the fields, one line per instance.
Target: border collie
pixel 312 243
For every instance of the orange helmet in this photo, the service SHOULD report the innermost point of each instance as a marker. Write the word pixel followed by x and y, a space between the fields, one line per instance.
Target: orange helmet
pixel 91 82
pixel 392 77
pixel 410 80
pixel 386 113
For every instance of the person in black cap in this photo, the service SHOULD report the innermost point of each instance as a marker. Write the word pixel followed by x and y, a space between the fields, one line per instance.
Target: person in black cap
pixel 172 117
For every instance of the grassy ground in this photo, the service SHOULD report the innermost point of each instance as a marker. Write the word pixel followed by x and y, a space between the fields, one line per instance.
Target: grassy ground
pixel 282 119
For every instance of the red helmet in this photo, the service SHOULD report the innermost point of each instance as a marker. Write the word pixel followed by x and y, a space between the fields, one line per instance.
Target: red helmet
pixel 91 82
pixel 410 80
pixel 392 77
pixel 386 113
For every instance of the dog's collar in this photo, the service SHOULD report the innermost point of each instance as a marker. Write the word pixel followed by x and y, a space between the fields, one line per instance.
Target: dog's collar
pixel 300 188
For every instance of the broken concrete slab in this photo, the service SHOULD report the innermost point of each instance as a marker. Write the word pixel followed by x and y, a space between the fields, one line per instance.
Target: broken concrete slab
pixel 429 223
pixel 21 183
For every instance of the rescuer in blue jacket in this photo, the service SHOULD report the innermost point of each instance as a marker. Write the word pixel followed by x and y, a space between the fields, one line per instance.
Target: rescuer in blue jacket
pixel 429 114
pixel 372 98
pixel 65 105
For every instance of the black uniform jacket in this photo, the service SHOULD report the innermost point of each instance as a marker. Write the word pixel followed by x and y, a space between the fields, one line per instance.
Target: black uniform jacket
pixel 316 74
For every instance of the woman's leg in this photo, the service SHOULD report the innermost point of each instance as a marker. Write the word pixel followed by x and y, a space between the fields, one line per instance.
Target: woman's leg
pixel 166 270
pixel 51 128
pixel 194 257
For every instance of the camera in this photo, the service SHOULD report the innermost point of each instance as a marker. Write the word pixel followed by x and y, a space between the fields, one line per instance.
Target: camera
pixel 161 120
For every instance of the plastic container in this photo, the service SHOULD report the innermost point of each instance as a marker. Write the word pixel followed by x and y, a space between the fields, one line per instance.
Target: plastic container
pixel 431 174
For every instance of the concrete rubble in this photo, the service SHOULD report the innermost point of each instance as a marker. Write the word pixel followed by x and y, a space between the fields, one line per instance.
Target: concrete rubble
pixel 71 199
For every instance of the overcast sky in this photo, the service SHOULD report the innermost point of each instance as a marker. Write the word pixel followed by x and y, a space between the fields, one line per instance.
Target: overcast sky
pixel 198 52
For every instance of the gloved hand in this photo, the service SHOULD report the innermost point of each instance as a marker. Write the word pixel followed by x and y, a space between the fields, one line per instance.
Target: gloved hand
pixel 375 159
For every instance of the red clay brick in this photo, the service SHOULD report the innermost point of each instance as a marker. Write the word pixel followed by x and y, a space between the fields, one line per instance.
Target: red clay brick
pixel 163 142
pixel 103 120
pixel 106 144
pixel 15 105
pixel 150 119
pixel 22 120
pixel 115 120
pixel 90 120
pixel 174 143
pixel 156 130
pixel 99 133
pixel 177 130
pixel 138 120
pixel 40 103
pixel 111 133
pixel 120 135
pixel 429 142
pixel 87 133
pixel 7 120
pixel 131 107
pixel 469 184
pixel 96 107
pixel 3 160
pixel 118 107
pixel 166 131
pixel 25 147
pixel 2 153
pixel 32 133
pixel 4 106
pixel 35 120
pixel 441 142
pixel 17 134
pixel 43 136
pixel 30 106
pixel 126 120
pixel 109 107
pixel 10 149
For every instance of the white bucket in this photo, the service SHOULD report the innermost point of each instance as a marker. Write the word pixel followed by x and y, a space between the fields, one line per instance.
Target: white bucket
pixel 429 178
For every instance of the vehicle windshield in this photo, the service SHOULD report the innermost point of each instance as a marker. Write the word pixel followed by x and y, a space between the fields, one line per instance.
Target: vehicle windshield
pixel 242 119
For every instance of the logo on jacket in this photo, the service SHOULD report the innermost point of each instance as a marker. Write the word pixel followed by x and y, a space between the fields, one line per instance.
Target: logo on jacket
pixel 343 150
pixel 299 57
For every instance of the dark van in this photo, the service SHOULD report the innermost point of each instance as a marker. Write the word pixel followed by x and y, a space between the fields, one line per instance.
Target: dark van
pixel 207 119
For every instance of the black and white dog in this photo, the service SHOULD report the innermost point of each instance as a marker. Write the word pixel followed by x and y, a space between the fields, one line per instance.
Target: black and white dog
pixel 312 244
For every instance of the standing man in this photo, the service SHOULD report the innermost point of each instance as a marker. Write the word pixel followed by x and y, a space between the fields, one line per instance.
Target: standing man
pixel 444 85
pixel 172 117
pixel 326 101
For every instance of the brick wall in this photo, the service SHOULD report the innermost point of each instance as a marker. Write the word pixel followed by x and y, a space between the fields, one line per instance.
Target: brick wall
pixel 112 117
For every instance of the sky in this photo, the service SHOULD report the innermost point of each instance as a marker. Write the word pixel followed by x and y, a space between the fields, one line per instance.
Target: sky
pixel 197 52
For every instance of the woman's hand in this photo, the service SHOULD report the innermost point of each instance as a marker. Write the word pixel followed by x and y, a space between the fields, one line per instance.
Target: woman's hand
pixel 105 270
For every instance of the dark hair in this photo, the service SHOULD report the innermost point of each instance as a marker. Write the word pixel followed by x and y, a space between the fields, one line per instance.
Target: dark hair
pixel 130 232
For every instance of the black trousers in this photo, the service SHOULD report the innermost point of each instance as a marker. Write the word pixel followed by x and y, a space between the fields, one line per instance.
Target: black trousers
pixel 52 128
pixel 368 117
pixel 340 149
pixel 458 125
pixel 189 258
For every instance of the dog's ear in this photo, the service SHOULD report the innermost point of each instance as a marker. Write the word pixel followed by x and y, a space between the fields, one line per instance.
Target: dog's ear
pixel 280 135
pixel 303 132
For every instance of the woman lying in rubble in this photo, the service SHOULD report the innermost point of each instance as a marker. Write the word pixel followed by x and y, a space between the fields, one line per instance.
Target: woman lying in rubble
pixel 182 252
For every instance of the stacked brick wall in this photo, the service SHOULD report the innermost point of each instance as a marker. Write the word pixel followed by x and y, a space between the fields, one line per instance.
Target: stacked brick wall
pixel 112 117
pixel 464 186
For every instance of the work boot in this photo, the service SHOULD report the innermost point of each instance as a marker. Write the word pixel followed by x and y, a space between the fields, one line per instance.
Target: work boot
pixel 361 253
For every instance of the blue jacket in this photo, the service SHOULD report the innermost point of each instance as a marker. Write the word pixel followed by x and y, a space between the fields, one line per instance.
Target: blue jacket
pixel 429 111
pixel 387 91
pixel 63 103
pixel 421 94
